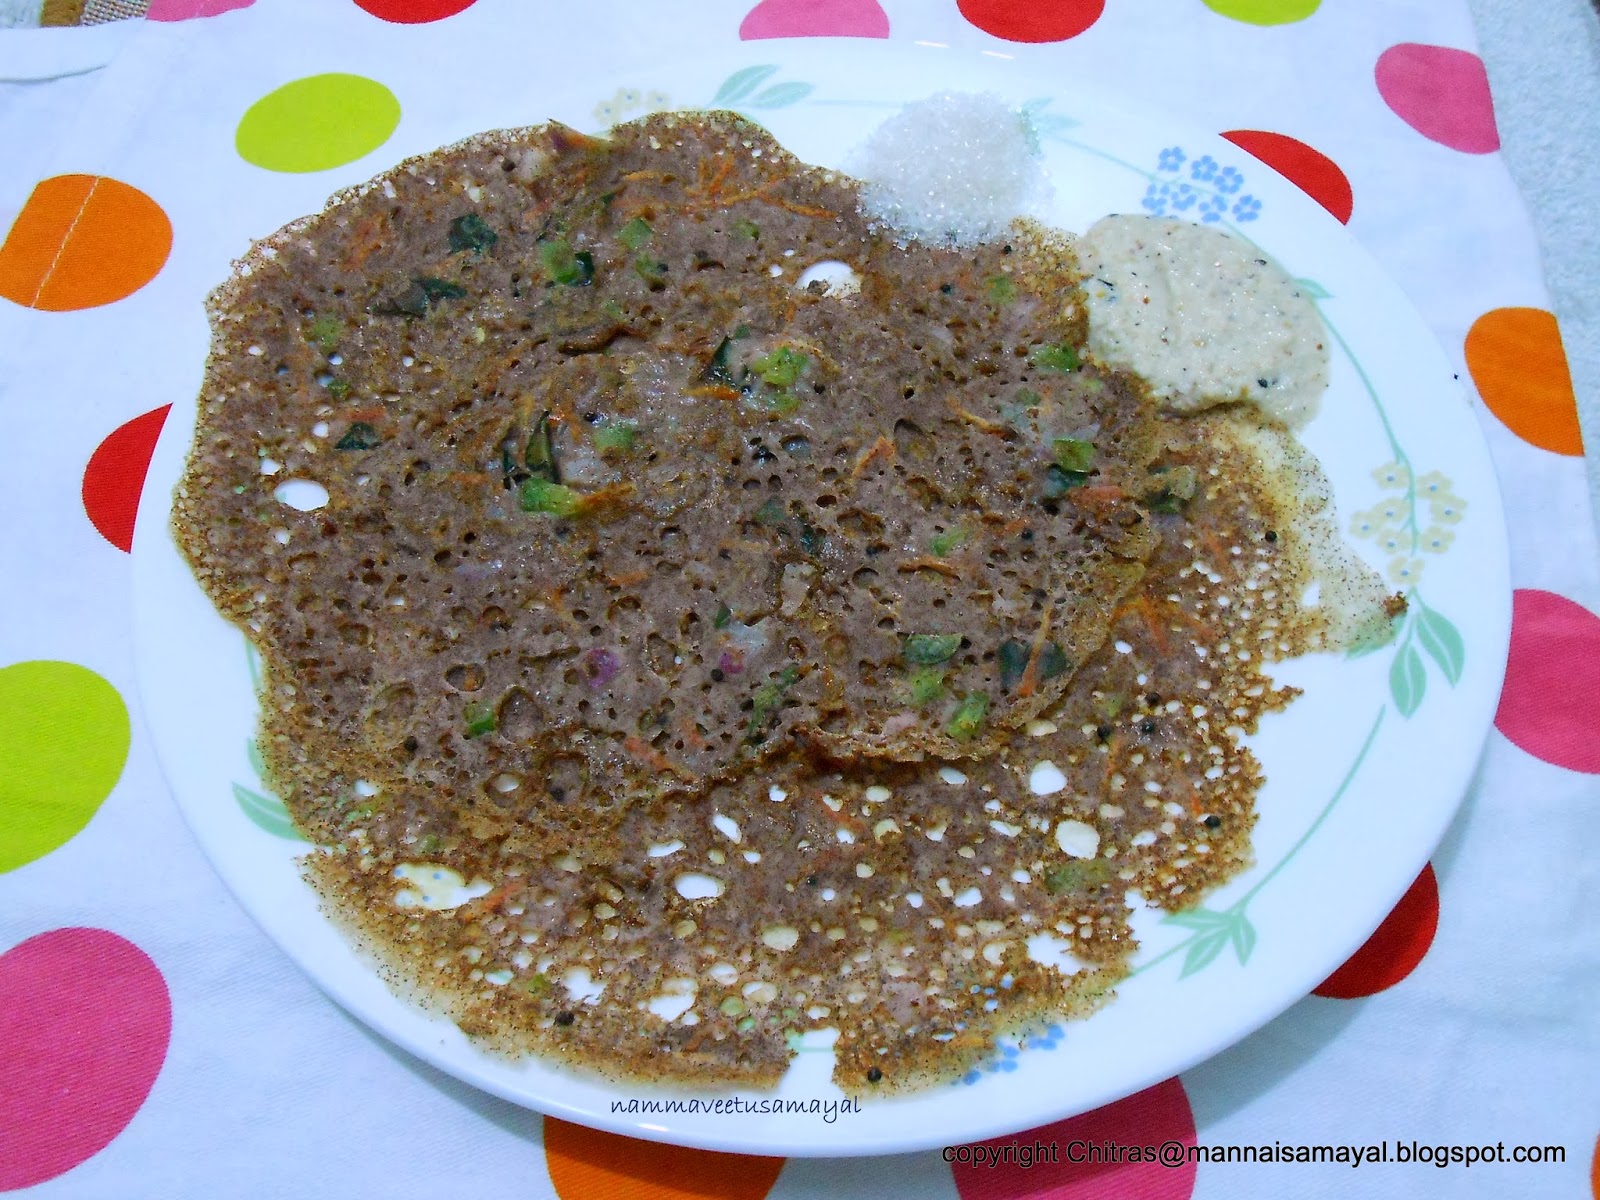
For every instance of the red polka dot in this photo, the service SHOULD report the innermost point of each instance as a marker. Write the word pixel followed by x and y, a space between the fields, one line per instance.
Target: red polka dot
pixel 1032 20
pixel 414 12
pixel 1550 704
pixel 1594 1171
pixel 1394 949
pixel 1310 170
pixel 84 1024
pixel 815 18
pixel 1441 93
pixel 1154 1116
pixel 114 478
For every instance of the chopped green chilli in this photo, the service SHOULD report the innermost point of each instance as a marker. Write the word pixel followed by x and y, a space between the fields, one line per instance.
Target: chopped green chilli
pixel 565 267
pixel 941 544
pixel 360 436
pixel 1058 482
pixel 471 232
pixel 718 371
pixel 967 720
pixel 926 685
pixel 635 233
pixel 1078 876
pixel 651 270
pixel 1013 662
pixel 782 368
pixel 616 439
pixel 481 719
pixel 1001 289
pixel 1057 356
pixel 767 700
pixel 542 496
pixel 325 332
pixel 1074 454
pixel 928 649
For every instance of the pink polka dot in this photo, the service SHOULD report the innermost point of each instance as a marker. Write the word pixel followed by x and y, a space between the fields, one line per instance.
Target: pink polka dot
pixel 1441 93
pixel 84 1024
pixel 1153 1117
pixel 188 10
pixel 1550 705
pixel 814 18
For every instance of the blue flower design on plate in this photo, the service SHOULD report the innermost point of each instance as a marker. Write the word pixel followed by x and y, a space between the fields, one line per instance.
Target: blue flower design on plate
pixel 1155 198
pixel 1171 159
pixel 1008 1052
pixel 1229 181
pixel 1203 169
pixel 1212 208
pixel 1184 198
pixel 1247 208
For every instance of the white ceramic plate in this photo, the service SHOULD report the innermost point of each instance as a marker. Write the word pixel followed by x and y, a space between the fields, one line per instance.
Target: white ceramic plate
pixel 1363 772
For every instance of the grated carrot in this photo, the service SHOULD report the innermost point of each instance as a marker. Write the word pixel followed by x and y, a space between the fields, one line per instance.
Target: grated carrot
pixel 882 448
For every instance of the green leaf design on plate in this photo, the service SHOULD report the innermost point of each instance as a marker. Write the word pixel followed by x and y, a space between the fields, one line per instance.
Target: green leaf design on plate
pixel 1214 932
pixel 782 95
pixel 253 753
pixel 266 812
pixel 741 83
pixel 1244 938
pixel 1408 681
pixel 1204 919
pixel 1314 289
pixel 1442 641
pixel 1203 952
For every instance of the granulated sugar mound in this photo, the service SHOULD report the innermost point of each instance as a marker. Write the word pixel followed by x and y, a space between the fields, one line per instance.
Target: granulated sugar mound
pixel 954 169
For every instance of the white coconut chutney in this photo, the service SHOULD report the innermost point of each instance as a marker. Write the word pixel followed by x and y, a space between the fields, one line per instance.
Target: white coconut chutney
pixel 1204 317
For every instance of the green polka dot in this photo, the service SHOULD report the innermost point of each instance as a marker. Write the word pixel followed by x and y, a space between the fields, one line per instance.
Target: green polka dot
pixel 317 122
pixel 63 740
pixel 1264 12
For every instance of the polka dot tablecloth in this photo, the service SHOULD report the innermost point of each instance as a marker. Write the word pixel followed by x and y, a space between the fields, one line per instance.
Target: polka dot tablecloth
pixel 152 1043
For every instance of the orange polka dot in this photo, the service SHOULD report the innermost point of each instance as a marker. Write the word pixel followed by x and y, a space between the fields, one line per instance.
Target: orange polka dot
pixel 1395 947
pixel 586 1164
pixel 82 241
pixel 1517 360
pixel 1594 1171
